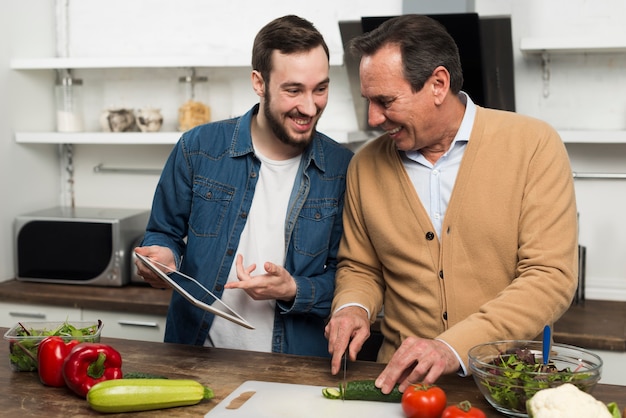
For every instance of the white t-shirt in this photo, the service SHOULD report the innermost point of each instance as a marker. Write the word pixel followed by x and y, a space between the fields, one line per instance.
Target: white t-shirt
pixel 262 239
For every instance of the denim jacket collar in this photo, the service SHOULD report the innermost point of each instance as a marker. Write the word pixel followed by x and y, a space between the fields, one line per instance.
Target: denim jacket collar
pixel 242 142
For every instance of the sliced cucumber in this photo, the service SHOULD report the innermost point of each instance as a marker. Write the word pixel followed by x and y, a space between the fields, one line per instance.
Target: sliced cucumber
pixel 331 393
pixel 362 390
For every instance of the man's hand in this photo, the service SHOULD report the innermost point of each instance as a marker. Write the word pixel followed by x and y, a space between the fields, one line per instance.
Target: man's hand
pixel 276 283
pixel 159 254
pixel 347 330
pixel 417 360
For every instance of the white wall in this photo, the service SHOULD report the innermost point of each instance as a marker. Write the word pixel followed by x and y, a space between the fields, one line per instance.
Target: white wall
pixel 586 92
pixel 29 175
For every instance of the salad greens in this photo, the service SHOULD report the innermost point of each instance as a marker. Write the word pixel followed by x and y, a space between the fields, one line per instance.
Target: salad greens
pixel 518 375
pixel 23 344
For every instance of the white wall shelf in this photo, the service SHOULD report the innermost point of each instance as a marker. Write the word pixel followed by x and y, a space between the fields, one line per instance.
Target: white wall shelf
pixel 550 46
pixel 166 138
pixel 112 138
pixel 572 45
pixel 51 63
pixel 593 137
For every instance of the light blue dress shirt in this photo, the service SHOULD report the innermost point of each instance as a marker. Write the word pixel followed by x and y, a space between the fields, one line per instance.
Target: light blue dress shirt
pixel 434 182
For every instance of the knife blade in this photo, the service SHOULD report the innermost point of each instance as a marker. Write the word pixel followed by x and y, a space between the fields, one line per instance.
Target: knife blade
pixel 345 371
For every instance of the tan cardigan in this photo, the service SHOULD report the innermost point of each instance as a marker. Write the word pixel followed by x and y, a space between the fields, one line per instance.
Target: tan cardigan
pixel 506 263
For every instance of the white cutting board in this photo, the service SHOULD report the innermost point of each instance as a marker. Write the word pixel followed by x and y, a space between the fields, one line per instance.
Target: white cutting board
pixel 284 400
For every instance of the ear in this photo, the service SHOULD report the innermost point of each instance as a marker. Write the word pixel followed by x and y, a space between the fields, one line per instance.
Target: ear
pixel 258 84
pixel 440 84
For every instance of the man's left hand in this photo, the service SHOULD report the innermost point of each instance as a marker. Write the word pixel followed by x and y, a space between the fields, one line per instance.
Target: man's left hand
pixel 276 283
pixel 417 360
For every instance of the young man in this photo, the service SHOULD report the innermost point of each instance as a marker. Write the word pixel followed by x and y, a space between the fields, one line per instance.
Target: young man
pixel 251 207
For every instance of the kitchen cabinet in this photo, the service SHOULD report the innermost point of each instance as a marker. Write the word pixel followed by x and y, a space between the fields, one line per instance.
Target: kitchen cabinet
pixel 130 312
pixel 128 325
pixel 614 368
pixel 11 313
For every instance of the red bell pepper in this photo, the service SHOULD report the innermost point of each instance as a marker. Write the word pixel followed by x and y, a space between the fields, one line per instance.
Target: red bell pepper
pixel 90 363
pixel 51 354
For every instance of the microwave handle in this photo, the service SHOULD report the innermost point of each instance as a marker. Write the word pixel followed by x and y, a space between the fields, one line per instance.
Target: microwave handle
pixel 32 315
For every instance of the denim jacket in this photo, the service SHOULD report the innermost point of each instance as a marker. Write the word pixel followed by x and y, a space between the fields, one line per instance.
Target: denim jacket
pixel 199 211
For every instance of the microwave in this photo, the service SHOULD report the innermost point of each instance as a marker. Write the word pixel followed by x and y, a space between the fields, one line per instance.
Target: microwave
pixel 82 245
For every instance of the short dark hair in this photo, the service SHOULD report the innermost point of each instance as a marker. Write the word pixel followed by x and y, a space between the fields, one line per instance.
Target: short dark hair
pixel 424 43
pixel 288 34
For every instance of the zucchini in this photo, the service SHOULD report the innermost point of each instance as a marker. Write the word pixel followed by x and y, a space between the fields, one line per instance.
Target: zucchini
pixel 362 390
pixel 129 395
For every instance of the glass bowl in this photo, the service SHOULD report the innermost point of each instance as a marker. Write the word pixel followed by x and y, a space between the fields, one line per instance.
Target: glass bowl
pixel 507 383
pixel 24 339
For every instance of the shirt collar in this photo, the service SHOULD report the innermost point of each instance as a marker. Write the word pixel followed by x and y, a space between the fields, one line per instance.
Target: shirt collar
pixel 242 141
pixel 463 134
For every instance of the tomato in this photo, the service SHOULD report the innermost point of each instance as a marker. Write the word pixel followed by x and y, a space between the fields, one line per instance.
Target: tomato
pixel 463 410
pixel 423 401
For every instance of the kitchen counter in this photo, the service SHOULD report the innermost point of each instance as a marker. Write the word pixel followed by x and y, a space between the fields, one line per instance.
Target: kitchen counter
pixel 220 369
pixel 592 324
pixel 133 298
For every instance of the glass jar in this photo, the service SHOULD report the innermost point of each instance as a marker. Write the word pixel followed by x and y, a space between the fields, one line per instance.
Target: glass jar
pixel 69 104
pixel 194 109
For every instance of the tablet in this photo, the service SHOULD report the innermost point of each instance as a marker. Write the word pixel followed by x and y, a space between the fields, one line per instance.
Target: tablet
pixel 221 309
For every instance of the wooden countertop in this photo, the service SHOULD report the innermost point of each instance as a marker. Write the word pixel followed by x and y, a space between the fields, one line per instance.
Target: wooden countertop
pixel 591 324
pixel 220 369
pixel 133 298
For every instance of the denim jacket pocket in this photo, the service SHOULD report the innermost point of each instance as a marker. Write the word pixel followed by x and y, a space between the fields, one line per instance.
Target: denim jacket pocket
pixel 314 227
pixel 209 206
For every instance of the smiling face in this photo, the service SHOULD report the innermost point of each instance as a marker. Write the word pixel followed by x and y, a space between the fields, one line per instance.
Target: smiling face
pixel 410 118
pixel 293 100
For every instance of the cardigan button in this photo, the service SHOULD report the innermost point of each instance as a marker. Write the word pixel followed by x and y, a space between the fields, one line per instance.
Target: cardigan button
pixel 445 316
pixel 430 236
pixel 441 274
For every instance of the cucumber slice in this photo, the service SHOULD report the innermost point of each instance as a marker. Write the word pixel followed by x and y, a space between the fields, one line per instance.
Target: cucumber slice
pixel 331 393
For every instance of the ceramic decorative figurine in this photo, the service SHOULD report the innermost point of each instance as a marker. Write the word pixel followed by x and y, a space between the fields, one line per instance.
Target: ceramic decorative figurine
pixel 149 119
pixel 118 120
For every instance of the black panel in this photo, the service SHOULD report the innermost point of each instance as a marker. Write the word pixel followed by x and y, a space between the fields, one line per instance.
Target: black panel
pixel 61 250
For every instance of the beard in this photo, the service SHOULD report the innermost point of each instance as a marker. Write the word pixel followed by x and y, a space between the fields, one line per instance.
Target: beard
pixel 279 130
